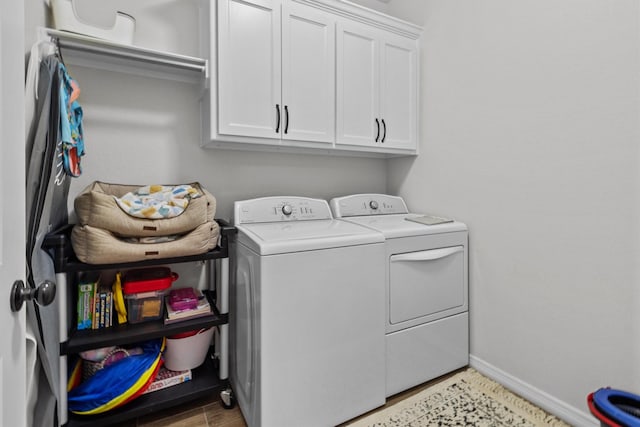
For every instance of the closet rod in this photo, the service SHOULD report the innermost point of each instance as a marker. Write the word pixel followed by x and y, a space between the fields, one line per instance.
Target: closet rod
pixel 182 63
pixel 90 47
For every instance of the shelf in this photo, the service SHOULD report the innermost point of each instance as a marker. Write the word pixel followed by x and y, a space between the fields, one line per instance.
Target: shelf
pixel 131 333
pixel 103 54
pixel 58 244
pixel 205 383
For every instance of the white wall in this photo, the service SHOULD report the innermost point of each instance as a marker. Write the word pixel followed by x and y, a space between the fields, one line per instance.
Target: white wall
pixel 144 130
pixel 529 134
pixel 35 15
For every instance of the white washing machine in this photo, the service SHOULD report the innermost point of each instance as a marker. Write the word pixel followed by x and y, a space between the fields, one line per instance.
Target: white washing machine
pixel 426 289
pixel 307 338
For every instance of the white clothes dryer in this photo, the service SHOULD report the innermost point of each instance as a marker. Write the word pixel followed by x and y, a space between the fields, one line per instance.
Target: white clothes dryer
pixel 426 288
pixel 307 338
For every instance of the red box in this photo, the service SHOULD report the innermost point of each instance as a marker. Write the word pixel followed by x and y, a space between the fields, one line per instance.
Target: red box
pixel 148 280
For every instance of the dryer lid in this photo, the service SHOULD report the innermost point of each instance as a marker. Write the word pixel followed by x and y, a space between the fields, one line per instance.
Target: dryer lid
pixel 296 236
pixel 367 204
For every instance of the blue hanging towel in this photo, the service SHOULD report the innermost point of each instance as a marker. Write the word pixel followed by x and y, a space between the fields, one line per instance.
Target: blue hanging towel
pixel 71 132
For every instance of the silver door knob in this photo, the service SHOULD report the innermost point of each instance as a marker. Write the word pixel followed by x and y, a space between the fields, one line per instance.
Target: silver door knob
pixel 43 294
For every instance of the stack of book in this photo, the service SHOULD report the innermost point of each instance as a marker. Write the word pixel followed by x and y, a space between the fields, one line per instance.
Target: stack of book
pixel 95 304
pixel 185 304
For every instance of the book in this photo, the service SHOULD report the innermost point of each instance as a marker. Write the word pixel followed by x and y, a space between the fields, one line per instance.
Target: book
pixel 100 315
pixel 167 378
pixel 95 308
pixel 103 301
pixel 203 309
pixel 86 291
pixel 108 309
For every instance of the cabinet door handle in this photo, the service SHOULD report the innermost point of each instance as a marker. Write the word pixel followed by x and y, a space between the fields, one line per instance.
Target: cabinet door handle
pixel 277 118
pixel 384 135
pixel 286 115
pixel 378 134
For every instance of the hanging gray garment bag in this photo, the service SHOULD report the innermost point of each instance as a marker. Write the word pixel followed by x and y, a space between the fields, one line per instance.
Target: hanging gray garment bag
pixel 47 193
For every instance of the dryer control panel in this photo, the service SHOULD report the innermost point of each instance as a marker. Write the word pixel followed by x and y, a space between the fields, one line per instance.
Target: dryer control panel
pixel 280 209
pixel 367 204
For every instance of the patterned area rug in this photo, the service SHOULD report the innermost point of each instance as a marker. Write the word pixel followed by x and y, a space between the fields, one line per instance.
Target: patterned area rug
pixel 466 399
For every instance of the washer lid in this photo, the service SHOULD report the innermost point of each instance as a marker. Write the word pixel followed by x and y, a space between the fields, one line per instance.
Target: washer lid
pixel 296 236
pixel 394 226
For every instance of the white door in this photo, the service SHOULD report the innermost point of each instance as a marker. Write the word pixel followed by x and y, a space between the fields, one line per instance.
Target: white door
pixel 357 80
pixel 398 93
pixel 249 68
pixel 12 215
pixel 308 77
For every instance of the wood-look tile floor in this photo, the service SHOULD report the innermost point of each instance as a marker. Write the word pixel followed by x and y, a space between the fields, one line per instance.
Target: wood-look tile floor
pixel 210 412
pixel 207 412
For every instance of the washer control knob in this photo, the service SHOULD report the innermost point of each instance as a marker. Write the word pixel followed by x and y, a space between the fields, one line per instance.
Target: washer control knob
pixel 286 209
pixel 373 205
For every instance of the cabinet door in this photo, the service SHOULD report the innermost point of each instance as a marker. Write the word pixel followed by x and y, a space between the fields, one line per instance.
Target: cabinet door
pixel 357 80
pixel 398 92
pixel 308 77
pixel 249 67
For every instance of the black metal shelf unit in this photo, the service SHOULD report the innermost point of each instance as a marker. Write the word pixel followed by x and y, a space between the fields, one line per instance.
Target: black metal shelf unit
pixel 204 382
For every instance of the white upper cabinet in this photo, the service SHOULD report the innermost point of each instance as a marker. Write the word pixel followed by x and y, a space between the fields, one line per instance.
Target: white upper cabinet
pixel 377 89
pixel 308 77
pixel 275 65
pixel 249 72
pixel 358 79
pixel 399 93
pixel 322 75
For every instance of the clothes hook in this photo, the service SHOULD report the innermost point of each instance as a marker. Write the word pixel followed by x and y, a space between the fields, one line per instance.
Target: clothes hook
pixel 56 41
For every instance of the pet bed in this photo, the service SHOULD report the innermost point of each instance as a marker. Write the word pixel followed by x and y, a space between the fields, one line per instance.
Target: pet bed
pixel 97 246
pixel 96 207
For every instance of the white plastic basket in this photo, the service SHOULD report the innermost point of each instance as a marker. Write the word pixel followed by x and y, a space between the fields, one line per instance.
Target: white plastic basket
pixel 188 352
pixel 65 18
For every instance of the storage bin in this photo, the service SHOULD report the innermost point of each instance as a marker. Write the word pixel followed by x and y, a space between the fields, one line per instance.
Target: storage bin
pixel 148 279
pixel 145 306
pixel 65 17
pixel 187 350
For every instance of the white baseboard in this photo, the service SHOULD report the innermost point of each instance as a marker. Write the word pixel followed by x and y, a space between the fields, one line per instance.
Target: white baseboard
pixel 554 406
